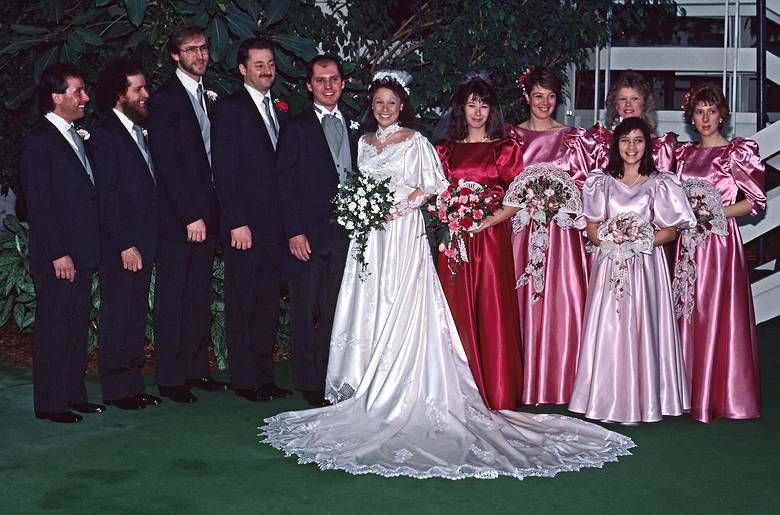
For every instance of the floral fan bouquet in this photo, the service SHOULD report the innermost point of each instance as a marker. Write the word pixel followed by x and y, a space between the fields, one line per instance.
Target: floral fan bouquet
pixel 363 204
pixel 544 193
pixel 622 237
pixel 455 212
pixel 710 219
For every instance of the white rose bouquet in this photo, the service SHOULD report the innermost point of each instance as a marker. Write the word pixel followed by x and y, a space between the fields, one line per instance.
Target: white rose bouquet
pixel 363 204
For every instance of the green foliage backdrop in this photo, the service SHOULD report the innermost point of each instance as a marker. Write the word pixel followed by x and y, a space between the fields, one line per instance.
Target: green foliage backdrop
pixel 437 41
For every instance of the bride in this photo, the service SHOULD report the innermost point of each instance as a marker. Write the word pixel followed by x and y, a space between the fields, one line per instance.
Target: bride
pixel 405 403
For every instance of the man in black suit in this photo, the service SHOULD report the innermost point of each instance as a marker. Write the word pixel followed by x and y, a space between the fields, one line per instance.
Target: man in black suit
pixel 180 141
pixel 244 134
pixel 315 151
pixel 127 207
pixel 63 245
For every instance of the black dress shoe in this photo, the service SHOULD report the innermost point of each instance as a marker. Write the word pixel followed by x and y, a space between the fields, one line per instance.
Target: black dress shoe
pixel 315 398
pixel 66 417
pixel 88 407
pixel 273 391
pixel 148 400
pixel 252 394
pixel 129 403
pixel 180 393
pixel 209 384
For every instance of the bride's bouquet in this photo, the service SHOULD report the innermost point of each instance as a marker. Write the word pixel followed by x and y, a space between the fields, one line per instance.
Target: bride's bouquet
pixel 544 193
pixel 710 219
pixel 363 204
pixel 455 212
pixel 622 237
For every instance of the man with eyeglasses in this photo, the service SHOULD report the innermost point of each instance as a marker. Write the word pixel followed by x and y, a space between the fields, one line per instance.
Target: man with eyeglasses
pixel 180 141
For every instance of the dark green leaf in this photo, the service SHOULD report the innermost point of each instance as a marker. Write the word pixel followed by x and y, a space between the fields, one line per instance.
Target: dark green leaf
pixel 140 35
pixel 18 314
pixel 286 66
pixel 22 43
pixel 120 29
pixel 89 37
pixel 304 48
pixel 240 23
pixel 76 43
pixel 218 39
pixel 86 16
pixel 101 3
pixel 28 30
pixel 251 7
pixel 45 60
pixel 275 11
pixel 136 9
pixel 17 96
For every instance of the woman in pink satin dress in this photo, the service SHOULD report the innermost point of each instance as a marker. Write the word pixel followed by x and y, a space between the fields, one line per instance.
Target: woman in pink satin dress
pixel 631 96
pixel 481 292
pixel 551 324
pixel 631 366
pixel 719 340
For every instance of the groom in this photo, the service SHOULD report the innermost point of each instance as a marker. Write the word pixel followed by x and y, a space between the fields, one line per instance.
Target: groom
pixel 315 150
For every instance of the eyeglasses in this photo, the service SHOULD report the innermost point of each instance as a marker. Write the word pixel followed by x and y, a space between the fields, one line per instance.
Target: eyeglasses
pixel 192 50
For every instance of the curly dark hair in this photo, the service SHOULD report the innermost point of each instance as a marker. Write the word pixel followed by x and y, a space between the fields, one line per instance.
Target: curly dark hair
pixel 113 81
pixel 707 94
pixel 406 118
pixel 615 165
pixel 631 79
pixel 482 90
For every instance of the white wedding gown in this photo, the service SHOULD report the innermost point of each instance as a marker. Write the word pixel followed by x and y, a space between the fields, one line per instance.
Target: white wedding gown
pixel 405 401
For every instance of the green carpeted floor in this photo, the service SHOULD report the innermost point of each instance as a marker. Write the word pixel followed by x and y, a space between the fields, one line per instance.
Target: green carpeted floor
pixel 204 458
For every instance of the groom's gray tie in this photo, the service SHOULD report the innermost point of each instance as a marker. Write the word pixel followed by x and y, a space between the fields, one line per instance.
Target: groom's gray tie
pixel 81 152
pixel 141 140
pixel 334 132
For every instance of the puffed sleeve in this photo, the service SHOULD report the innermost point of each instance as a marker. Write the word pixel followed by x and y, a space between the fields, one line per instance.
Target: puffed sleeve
pixel 748 172
pixel 594 198
pixel 602 139
pixel 509 159
pixel 670 205
pixel 422 168
pixel 582 149
pixel 444 150
pixel 680 155
pixel 663 152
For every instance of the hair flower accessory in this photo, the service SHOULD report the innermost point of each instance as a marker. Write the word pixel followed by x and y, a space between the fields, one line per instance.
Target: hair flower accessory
pixel 398 76
pixel 687 98
pixel 281 105
pixel 481 75
pixel 83 133
pixel 211 95
pixel 524 76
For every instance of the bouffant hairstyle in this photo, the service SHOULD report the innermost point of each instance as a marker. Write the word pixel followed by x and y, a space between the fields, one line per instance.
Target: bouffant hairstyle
pixel 615 165
pixel 54 79
pixel 181 34
pixel 113 81
pixel 406 118
pixel 707 94
pixel 544 78
pixel 479 89
pixel 631 79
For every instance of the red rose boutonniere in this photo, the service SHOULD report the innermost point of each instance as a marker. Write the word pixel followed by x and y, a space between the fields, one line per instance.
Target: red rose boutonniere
pixel 281 105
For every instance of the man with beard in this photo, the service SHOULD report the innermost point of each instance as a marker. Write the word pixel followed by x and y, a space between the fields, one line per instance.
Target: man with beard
pixel 63 246
pixel 315 151
pixel 244 132
pixel 180 140
pixel 127 207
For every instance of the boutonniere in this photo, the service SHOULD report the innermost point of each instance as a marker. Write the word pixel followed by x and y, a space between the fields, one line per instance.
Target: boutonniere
pixel 83 133
pixel 145 133
pixel 281 105
pixel 354 126
pixel 211 95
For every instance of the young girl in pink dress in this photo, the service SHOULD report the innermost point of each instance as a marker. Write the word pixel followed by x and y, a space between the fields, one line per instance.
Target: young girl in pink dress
pixel 719 337
pixel 551 323
pixel 631 365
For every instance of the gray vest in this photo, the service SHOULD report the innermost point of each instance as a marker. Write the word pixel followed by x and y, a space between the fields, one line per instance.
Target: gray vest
pixel 205 124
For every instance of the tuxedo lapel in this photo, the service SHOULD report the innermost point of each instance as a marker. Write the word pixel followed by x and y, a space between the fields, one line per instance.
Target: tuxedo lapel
pixel 353 140
pixel 257 118
pixel 184 97
pixel 318 138
pixel 125 136
pixel 68 153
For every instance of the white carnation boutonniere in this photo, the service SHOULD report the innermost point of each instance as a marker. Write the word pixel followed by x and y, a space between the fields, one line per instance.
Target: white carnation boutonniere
pixel 83 133
pixel 145 133
pixel 211 95
pixel 354 127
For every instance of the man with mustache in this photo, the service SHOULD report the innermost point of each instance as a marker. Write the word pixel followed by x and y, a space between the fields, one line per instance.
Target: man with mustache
pixel 244 133
pixel 316 149
pixel 57 178
pixel 127 207
pixel 180 141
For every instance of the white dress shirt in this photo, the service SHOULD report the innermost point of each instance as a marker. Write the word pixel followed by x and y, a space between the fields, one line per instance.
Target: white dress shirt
pixel 63 127
pixel 321 111
pixel 128 123
pixel 191 85
pixel 258 97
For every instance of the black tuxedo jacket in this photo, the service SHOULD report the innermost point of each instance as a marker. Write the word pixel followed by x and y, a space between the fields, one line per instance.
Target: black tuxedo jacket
pixel 60 201
pixel 185 190
pixel 308 180
pixel 127 194
pixel 244 164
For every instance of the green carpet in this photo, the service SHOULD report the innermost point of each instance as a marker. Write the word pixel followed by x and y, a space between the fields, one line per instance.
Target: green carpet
pixel 204 458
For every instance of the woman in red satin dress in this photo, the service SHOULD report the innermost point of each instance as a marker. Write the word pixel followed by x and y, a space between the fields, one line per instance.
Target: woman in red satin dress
pixel 481 293
pixel 720 345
